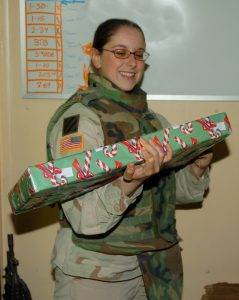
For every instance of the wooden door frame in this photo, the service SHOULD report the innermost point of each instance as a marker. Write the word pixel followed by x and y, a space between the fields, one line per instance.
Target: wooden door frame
pixel 5 138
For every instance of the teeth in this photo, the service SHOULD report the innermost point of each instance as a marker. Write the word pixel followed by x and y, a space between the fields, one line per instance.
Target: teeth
pixel 127 74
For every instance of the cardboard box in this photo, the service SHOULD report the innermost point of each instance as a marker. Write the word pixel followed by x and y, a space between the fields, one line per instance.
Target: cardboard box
pixel 65 178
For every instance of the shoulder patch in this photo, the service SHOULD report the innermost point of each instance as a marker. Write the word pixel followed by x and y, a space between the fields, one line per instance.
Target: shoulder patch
pixel 71 143
pixel 70 125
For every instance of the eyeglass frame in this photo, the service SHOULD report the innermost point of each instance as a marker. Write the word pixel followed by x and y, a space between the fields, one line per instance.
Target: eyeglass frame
pixel 129 52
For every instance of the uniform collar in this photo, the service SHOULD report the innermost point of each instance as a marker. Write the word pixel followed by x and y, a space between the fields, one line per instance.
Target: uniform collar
pixel 135 100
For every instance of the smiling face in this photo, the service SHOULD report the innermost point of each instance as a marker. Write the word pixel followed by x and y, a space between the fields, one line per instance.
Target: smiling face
pixel 124 73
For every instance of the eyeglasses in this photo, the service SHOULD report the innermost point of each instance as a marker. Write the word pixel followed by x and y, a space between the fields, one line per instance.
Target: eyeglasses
pixel 125 53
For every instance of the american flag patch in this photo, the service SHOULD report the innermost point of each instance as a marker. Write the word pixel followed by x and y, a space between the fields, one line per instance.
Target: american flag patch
pixel 71 143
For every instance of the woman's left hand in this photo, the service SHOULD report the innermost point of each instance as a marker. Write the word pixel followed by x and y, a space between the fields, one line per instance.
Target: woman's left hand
pixel 201 163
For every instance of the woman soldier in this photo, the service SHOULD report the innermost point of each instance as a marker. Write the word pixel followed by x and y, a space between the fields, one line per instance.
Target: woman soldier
pixel 119 241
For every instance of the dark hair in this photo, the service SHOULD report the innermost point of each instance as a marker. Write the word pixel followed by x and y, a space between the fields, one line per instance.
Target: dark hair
pixel 106 29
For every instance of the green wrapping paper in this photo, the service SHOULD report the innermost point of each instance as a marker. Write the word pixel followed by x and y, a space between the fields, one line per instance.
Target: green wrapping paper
pixel 65 178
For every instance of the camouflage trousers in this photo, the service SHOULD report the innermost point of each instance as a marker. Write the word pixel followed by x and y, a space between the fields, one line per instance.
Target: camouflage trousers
pixel 162 280
pixel 162 273
pixel 76 288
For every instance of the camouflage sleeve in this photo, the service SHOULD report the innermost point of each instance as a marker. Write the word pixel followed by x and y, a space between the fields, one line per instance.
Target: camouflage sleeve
pixel 99 210
pixel 189 189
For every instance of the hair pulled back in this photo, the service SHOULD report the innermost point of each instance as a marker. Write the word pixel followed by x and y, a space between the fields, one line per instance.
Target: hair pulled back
pixel 108 28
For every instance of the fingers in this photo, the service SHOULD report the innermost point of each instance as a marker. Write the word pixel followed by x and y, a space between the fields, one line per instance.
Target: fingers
pixel 151 155
pixel 154 154
pixel 169 153
pixel 129 172
pixel 204 160
pixel 167 150
pixel 205 155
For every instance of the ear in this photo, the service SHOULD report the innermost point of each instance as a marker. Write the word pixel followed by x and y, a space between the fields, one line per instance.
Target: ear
pixel 96 58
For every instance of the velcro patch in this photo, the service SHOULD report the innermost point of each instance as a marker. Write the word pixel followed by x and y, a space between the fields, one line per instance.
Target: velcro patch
pixel 70 125
pixel 71 143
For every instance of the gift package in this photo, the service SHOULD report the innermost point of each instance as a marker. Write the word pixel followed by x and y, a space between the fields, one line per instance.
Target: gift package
pixel 66 178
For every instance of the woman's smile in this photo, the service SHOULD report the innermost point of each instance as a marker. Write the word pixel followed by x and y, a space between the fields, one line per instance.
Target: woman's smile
pixel 127 74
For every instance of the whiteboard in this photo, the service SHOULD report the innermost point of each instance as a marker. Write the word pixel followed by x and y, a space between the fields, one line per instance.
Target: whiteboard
pixel 193 46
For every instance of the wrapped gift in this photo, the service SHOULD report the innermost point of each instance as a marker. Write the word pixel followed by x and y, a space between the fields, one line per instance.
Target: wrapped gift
pixel 66 178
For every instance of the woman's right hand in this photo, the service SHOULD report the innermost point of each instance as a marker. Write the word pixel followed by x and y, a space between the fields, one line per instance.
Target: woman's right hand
pixel 154 157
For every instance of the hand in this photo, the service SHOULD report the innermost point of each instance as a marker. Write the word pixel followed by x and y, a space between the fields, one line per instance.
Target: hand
pixel 201 163
pixel 154 158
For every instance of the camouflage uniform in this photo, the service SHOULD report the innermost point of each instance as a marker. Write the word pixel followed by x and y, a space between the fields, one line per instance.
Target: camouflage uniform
pixel 105 221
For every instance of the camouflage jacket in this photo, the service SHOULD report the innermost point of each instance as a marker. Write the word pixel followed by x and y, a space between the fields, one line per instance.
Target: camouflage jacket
pixel 99 211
